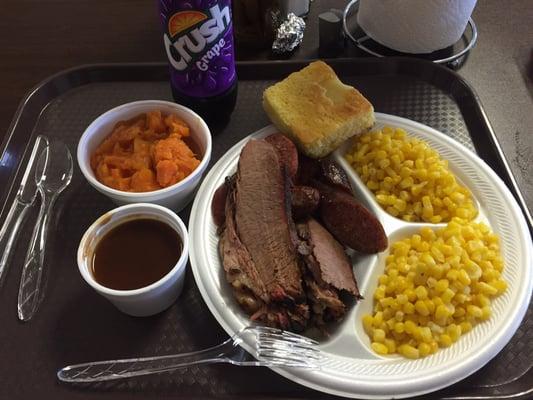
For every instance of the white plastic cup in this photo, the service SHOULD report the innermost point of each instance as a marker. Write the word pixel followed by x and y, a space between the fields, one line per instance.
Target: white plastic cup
pixel 176 196
pixel 150 299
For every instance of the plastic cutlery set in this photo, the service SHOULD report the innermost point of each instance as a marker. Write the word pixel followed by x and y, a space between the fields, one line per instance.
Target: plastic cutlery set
pixel 48 173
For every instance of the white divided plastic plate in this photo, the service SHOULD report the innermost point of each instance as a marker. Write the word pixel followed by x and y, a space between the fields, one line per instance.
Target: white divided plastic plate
pixel 350 367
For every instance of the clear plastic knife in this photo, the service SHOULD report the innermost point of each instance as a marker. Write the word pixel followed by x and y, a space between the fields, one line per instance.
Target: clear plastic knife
pixel 25 197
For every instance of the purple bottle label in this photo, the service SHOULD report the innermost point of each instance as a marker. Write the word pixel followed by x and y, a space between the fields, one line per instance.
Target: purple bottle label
pixel 198 38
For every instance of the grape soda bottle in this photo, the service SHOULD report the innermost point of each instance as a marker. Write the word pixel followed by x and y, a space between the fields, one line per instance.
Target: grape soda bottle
pixel 198 39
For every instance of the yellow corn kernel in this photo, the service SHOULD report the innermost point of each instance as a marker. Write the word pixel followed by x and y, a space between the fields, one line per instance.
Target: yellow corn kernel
pixel 442 285
pixel 379 348
pixel 425 334
pixel 408 308
pixel 474 311
pixel 380 292
pixel 447 295
pixel 416 240
pixel 379 335
pixel 459 312
pixel 383 279
pixel 463 277
pixel 437 254
pixel 431 282
pixel 445 340
pixel 430 305
pixel 452 274
pixel 387 313
pixel 421 292
pixel 411 295
pixel 417 334
pixel 408 351
pixel 500 285
pixel 367 323
pixel 400 205
pixel 434 346
pixel 386 302
pixel 436 271
pixel 426 202
pixel 481 300
pixel 438 301
pixel 409 326
pixel 399 316
pixel 424 349
pixel 486 288
pixel 391 345
pixel 462 213
pixel 454 331
pixel 378 319
pixel 486 312
pixel 465 326
pixel 442 312
pixel 421 308
pixel 489 273
pixel 473 270
pixel 435 219
pixel 402 298
pixel 399 327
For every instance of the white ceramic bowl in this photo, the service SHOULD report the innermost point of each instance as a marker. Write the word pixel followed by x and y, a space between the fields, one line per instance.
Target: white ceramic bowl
pixel 150 299
pixel 176 196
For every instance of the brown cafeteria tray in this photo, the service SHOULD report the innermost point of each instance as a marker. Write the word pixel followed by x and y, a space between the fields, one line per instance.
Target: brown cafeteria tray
pixel 74 324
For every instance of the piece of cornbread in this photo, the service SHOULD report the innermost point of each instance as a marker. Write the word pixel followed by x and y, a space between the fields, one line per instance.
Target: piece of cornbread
pixel 315 109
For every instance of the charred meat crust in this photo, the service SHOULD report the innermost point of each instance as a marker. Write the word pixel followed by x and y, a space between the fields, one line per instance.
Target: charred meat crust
pixel 293 319
pixel 334 175
pixel 308 168
pixel 305 200
pixel 325 303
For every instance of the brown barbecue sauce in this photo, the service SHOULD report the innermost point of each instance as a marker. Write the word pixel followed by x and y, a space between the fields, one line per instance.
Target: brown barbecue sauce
pixel 136 254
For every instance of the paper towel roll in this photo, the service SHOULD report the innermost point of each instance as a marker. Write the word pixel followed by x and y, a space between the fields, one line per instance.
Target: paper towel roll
pixel 415 26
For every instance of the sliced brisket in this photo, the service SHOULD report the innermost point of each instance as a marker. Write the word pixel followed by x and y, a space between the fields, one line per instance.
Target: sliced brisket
pixel 240 269
pixel 262 220
pixel 335 267
pixel 284 274
pixel 328 272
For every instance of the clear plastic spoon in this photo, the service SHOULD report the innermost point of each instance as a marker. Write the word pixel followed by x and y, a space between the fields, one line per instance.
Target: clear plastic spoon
pixel 53 174
pixel 23 201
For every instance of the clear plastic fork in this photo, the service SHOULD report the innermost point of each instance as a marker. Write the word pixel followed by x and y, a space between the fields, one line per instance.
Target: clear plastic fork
pixel 271 348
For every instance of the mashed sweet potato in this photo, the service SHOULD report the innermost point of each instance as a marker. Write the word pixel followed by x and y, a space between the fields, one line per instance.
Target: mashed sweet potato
pixel 146 153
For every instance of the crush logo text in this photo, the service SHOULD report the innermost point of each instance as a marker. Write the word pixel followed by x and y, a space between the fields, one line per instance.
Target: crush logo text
pixel 190 46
